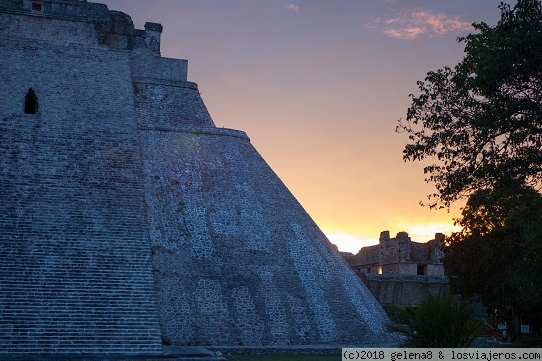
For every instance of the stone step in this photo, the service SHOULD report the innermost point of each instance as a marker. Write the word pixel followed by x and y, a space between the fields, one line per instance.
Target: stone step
pixel 169 353
pixel 108 358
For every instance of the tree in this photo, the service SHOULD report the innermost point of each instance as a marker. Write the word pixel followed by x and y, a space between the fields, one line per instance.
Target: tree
pixel 482 119
pixel 482 122
pixel 497 256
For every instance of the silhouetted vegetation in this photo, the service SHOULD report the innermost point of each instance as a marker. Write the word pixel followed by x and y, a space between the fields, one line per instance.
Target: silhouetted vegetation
pixel 482 122
pixel 497 257
pixel 482 119
pixel 437 322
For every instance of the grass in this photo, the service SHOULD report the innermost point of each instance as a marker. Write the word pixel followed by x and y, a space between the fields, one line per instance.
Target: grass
pixel 282 358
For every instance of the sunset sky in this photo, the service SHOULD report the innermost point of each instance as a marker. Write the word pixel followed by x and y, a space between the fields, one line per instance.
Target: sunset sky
pixel 318 86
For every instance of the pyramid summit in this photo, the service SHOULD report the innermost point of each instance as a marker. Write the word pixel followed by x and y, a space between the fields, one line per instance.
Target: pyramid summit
pixel 128 221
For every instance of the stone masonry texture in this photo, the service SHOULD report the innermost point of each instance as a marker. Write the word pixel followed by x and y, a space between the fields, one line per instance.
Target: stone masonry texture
pixel 129 221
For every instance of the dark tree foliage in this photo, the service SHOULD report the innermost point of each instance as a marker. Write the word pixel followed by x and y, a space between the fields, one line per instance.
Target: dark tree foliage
pixel 490 251
pixel 524 230
pixel 482 119
pixel 481 122
pixel 498 254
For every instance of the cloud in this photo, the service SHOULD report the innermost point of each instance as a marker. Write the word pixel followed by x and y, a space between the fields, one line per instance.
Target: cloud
pixel 292 7
pixel 349 243
pixel 412 24
pixel 425 232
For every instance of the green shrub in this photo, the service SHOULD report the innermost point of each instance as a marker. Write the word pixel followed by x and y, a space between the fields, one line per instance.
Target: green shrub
pixel 437 322
pixel 530 341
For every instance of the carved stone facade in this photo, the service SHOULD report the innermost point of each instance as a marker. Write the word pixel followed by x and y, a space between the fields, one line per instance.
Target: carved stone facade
pixel 399 271
pixel 400 256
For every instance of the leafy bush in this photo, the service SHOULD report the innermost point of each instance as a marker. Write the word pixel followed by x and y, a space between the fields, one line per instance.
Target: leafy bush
pixel 530 341
pixel 437 322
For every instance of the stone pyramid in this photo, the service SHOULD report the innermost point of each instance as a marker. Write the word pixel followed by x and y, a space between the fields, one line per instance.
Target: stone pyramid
pixel 128 221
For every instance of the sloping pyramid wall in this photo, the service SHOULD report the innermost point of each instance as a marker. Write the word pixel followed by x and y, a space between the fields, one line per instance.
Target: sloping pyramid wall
pixel 237 260
pixel 75 261
pixel 128 220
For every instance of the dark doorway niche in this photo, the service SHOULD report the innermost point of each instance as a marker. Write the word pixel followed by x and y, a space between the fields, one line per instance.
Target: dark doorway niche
pixel 36 7
pixel 30 102
pixel 422 270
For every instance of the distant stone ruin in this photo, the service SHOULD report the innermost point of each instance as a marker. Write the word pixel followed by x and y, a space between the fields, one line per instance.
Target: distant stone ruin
pixel 401 272
pixel 400 256
pixel 129 222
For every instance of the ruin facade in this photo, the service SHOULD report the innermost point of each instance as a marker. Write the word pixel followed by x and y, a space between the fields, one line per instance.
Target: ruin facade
pixel 401 256
pixel 401 272
pixel 128 221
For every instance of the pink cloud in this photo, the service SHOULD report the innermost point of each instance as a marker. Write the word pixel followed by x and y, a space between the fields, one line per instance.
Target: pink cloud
pixel 412 24
pixel 408 33
pixel 292 7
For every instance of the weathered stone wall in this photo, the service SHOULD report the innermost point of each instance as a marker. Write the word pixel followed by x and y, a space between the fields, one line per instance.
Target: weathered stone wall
pixel 420 252
pixel 403 290
pixel 10 4
pixel 75 265
pixel 168 105
pixel 160 70
pixel 435 270
pixel 394 250
pixel 120 176
pixel 57 31
pixel 237 260
pixel 369 258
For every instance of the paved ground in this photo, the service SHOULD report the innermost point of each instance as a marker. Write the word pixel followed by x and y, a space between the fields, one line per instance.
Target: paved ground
pixel 195 353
